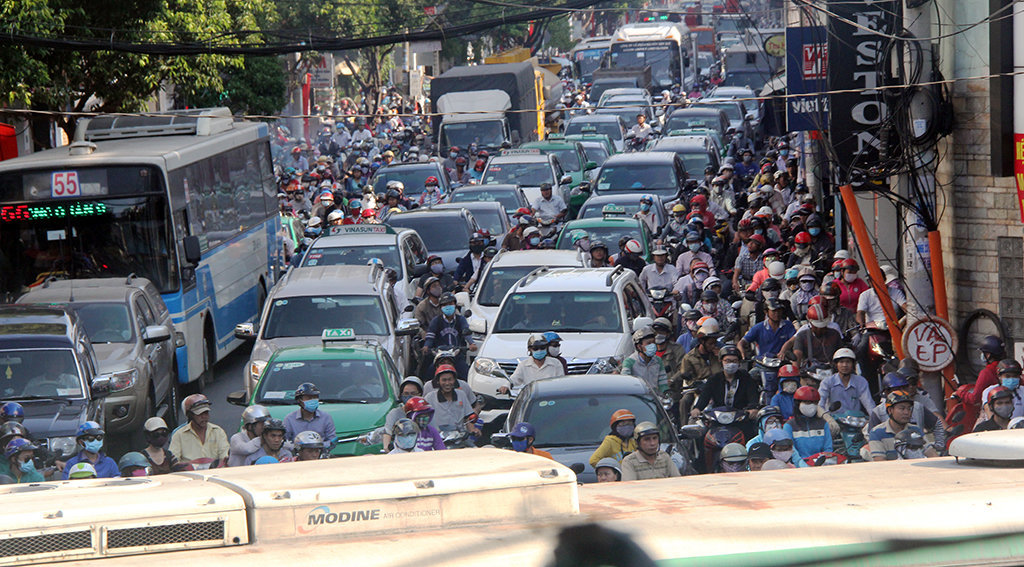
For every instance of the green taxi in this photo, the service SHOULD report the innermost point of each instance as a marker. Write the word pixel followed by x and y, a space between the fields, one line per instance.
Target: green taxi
pixel 358 384
pixel 612 226
pixel 570 154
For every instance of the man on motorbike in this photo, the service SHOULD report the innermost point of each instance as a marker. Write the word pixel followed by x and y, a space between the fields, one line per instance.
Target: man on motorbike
pixel 769 335
pixel 922 417
pixel 869 307
pixel 646 215
pixel 470 263
pixel 555 349
pixel 695 251
pixel 849 389
pixel 688 335
pixel 688 288
pixel 699 364
pixel 732 387
pixel 309 417
pixel 430 308
pixel 748 261
pixel 629 256
pixel 757 455
pixel 669 351
pixel 660 273
pixel 813 343
pixel 780 442
pixel 436 265
pixel 676 226
pixel 992 351
pixel 450 330
pixel 644 363
pixel 522 437
pixel 608 470
pixel 452 406
pixel 733 458
pixel 789 383
pixel 406 434
pixel 648 461
pixel 882 440
pixel 811 434
pixel 549 210
pixel 271 444
pixel 842 318
pixel 1000 406
pixel 620 442
pixel 598 255
pixel 712 305
pixel 538 365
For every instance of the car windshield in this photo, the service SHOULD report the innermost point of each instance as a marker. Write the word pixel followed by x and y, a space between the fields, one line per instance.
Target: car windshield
pixel 414 178
pixel 732 109
pixel 627 114
pixel 609 234
pixel 687 122
pixel 753 79
pixel 526 174
pixel 640 177
pixel 566 311
pixel 106 322
pixel 353 256
pixel 355 381
pixel 583 419
pixel 498 281
pixel 610 129
pixel 438 234
pixel 695 162
pixel 309 316
pixel 568 157
pixel 489 133
pixel 490 219
pixel 598 88
pixel 596 153
pixel 39 373
pixel 507 197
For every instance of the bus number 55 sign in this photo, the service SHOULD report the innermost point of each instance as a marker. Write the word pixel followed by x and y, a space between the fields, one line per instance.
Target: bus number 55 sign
pixel 64 184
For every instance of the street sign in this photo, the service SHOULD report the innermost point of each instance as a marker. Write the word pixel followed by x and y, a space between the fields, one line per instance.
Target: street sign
pixel 424 46
pixel 775 45
pixel 931 342
pixel 1018 170
pixel 806 72
pixel 323 72
pixel 338 335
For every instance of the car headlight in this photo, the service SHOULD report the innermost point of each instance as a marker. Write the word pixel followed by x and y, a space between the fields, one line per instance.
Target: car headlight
pixel 484 365
pixel 123 379
pixel 256 368
pixel 63 446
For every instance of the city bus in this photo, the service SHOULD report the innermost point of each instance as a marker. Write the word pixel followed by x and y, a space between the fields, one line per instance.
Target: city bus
pixel 657 44
pixel 586 56
pixel 186 199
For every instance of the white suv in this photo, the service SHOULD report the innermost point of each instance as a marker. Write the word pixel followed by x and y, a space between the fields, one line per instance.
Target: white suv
pixel 592 309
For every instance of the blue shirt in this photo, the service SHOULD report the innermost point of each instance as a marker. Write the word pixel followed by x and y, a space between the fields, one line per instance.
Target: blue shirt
pixel 784 402
pixel 105 466
pixel 769 341
pixel 322 423
pixel 853 397
pixel 687 340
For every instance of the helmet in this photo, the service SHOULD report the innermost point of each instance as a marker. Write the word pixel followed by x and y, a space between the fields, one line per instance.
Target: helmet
pixel 16 446
pixel 335 216
pixel 647 199
pixel 195 402
pixel 307 389
pixel 789 371
pixel 411 380
pixel 404 426
pixel 1006 366
pixel 431 181
pixel 313 222
pixel 728 350
pixel 771 284
pixel 621 415
pixel 396 185
pixel 594 244
pixel 776 435
pixel 88 428
pixel 662 323
pixel 678 208
pixel 772 304
pixel 552 337
pixel 523 429
pixel 992 345
pixel 900 396
pixel 829 290
pixel 691 315
pixel 273 425
pixel 645 428
pixel 266 460
pixel 11 429
pixel 711 282
pixel 803 237
pixel 355 204
pixel 893 381
pixel 768 411
pixel 777 270
pixel 392 194
pixel 309 440
pixel 417 404
pixel 132 459
pixel 430 281
pixel 709 328
pixel 12 411
pixel 837 265
pixel 369 213
pixel 816 316
pixel 255 414
pixel 807 394
pixel 447 298
pixel 997 393
pixel 709 295
pixel 843 353
pixel 849 263
pixel 642 333
pixel 444 368
pixel 633 246
pixel 611 464
pixel 733 453
pixel 536 342
pixel 490 252
pixel 81 470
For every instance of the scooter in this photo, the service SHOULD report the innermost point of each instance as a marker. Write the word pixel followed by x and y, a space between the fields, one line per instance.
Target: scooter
pixel 663 302
pixel 723 427
pixel 851 434
pixel 879 354
pixel 825 458
pixel 768 368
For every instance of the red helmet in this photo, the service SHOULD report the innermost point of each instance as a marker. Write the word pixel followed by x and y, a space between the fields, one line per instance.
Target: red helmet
pixel 431 181
pixel 803 238
pixel 788 371
pixel 849 263
pixel 744 224
pixel 483 154
pixel 522 211
pixel 479 165
pixel 454 149
pixel 816 313
pixel 417 404
pixel 620 415
pixel 837 265
pixel 698 265
pixel 460 161
pixel 806 394
pixel 442 368
pixel 368 213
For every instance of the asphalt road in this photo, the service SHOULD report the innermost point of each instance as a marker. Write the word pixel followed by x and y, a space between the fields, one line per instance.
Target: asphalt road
pixel 227 378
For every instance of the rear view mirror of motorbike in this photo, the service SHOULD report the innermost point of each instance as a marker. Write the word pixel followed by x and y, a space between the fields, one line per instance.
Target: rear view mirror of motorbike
pixel 691 432
pixel 834 407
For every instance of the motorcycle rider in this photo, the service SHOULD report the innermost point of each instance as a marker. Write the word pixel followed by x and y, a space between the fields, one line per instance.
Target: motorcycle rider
pixel 648 461
pixel 199 438
pixel 800 299
pixel 309 446
pixel 712 305
pixel 598 255
pixel 757 455
pixel 688 336
pixel 668 350
pixel 522 437
pixel 695 250
pixel 538 365
pixel 732 387
pixel 430 308
pixel 811 434
pixel 769 335
pixel 780 442
pixel 688 288
pixel 309 417
pixel 406 434
pixel 660 273
pixel 450 330
pixel 842 318
pixel 992 351
pixel 485 258
pixel 19 463
pixel 882 440
pixel 699 364
pixel 470 264
pixel 849 389
pixel 452 406
pixel 644 363
pixel 161 461
pixel 869 307
pixel 420 411
pixel 630 256
pixel 646 215
pixel 1000 406
pixel 748 261
pixel 925 419
pixel 676 225
pixel 789 382
pixel 608 470
pixel 813 343
pixel 732 458
pixel 271 444
pixel 549 210
pixel 248 440
pixel 850 286
pixel 768 418
pixel 555 349
pixel 620 442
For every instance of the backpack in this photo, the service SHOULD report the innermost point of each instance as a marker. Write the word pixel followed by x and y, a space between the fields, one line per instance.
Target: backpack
pixel 961 417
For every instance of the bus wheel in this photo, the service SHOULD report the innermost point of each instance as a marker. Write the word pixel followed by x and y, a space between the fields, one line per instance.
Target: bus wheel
pixel 197 386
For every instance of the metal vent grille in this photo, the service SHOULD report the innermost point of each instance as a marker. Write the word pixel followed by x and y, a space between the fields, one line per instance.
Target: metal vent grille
pixel 46 543
pixel 165 534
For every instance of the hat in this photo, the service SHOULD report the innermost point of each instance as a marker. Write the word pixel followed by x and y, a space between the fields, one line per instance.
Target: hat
pixel 154 423
pixel 758 238
pixel 759 451
pixel 724 167
pixel 82 470
pixel 531 230
pixel 659 252
pixel 890 274
pixel 200 407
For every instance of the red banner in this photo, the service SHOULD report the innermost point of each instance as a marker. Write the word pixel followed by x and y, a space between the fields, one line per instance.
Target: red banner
pixel 1018 170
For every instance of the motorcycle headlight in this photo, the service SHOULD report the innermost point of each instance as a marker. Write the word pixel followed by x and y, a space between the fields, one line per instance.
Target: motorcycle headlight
pixel 876 348
pixel 256 368
pixel 725 417
pixel 64 446
pixel 123 379
pixel 484 365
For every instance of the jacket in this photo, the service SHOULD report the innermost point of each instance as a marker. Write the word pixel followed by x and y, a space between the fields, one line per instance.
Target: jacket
pixel 652 371
pixel 613 446
pixel 714 392
pixel 811 435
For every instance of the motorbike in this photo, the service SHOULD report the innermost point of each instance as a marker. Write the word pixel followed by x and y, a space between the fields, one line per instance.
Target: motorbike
pixel 879 355
pixel 768 368
pixel 456 437
pixel 722 427
pixel 663 302
pixel 850 435
pixel 825 458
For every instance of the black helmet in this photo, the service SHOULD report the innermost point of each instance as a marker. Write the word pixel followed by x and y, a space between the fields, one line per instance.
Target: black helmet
pixel 307 389
pixel 692 315
pixel 598 244
pixel 729 349
pixel 1008 366
pixel 490 252
pixel 447 298
pixel 273 425
pixel 709 295
pixel 992 345
pixel 772 303
pixel 771 284
pixel 430 281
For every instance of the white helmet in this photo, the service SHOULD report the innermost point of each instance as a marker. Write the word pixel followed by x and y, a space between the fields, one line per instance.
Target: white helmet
pixel 844 353
pixel 334 216
pixel 710 327
pixel 255 414
pixel 313 222
pixel 641 322
pixel 309 440
pixel 710 281
pixel 396 185
pixel 776 269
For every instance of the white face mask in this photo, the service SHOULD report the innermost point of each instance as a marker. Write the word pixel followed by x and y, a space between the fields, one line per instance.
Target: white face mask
pixel 849 277
pixel 807 286
pixel 809 410
pixel 789 386
pixel 555 350
pixel 783 456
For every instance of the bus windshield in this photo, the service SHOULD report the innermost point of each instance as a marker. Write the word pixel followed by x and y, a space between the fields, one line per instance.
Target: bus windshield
pixel 116 226
pixel 662 56
pixel 587 61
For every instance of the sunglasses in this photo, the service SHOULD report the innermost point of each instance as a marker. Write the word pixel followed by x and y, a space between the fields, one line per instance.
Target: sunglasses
pixel 92 438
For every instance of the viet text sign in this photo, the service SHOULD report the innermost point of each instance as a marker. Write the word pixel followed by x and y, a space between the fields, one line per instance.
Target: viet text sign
pixel 806 71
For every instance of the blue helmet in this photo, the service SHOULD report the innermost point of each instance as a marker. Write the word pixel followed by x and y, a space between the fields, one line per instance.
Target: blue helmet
pixel 18 445
pixel 266 460
pixel 89 428
pixel 523 430
pixel 893 381
pixel 552 337
pixel 777 435
pixel 12 411
pixel 307 389
pixel 133 459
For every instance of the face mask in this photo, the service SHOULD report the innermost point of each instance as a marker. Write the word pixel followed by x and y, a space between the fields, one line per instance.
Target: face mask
pixel 645 207
pixel 783 456
pixel 519 445
pixel 771 295
pixel 448 310
pixel 802 250
pixel 783 153
pixel 809 410
pixel 157 440
pixel 422 421
pixel 814 231
pixel 789 386
pixel 695 247
pixel 406 442
pixel 911 453
pixel 554 351
pixel 660 339
pixel 624 431
pixel 93 446
pixel 650 349
pixel 539 354
pixel 747 159
pixel 437 268
pixel 1003 411
pixel 310 405
pixel 731 368
pixel 406 398
pixel 849 277
pixel 759 231
pixel 476 248
pixel 27 466
pixel 734 467
pixel 1010 383
pixel 435 292
pixel 534 241
pixel 453 155
pixel 700 277
pixel 707 307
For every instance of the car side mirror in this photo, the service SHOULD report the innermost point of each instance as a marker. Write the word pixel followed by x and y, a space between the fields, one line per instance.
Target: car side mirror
pixel 155 334
pixel 590 165
pixel 477 325
pixel 238 398
pixel 245 331
pixel 578 468
pixel 100 387
pixel 565 180
pixel 406 327
pixel 193 253
pixel 751 116
pixel 462 298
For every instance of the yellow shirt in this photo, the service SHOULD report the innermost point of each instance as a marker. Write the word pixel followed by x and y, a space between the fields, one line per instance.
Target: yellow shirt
pixel 613 447
pixel 185 443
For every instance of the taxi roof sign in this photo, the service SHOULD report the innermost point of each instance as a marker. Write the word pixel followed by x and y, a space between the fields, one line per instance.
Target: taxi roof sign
pixel 521 152
pixel 360 229
pixel 613 210
pixel 338 335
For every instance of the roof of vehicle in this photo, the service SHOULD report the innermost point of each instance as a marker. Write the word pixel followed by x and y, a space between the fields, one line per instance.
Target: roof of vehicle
pixel 328 280
pixel 556 258
pixel 640 158
pixel 639 91
pixel 488 187
pixel 425 211
pixel 593 222
pixel 570 279
pixel 696 111
pixel 520 158
pixel 35 325
pixel 329 351
pixel 90 290
pixel 731 92
pixel 593 118
pixel 555 144
pixel 470 206
pixel 696 142
pixel 396 166
pixel 347 240
pixel 613 198
pixel 587 384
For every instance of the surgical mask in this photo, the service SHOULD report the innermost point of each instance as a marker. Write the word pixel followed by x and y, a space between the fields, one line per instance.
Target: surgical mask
pixel 783 456
pixel 759 231
pixel 772 424
pixel 406 442
pixel 708 307
pixel 93 446
pixel 790 386
pixel 695 247
pixel 437 268
pixel 660 339
pixel 747 159
pixel 645 207
pixel 771 295
pixel 453 155
pixel 911 453
pixel 699 277
pixel 157 440
pixel 728 466
pixel 650 349
pixel 27 467
pixel 423 421
pixel 849 277
pixel 519 445
pixel 624 431
pixel 783 153
pixel 555 350
pixel 814 231
pixel 1010 383
pixel 809 410
pixel 539 354
pixel 448 310
pixel 476 248
pixel 1003 411
pixel 730 368
pixel 406 398
pixel 310 405
pixel 534 240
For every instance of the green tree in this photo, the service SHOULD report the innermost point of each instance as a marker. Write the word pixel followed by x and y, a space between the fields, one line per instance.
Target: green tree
pixel 257 87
